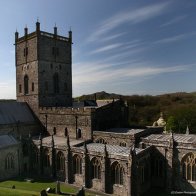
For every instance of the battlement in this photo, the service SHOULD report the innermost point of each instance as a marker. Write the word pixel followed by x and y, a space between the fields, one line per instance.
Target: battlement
pixel 38 32
pixel 66 110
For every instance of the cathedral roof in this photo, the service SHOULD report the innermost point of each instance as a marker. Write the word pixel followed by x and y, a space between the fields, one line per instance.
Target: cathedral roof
pixel 180 138
pixel 7 140
pixel 13 112
pixel 111 149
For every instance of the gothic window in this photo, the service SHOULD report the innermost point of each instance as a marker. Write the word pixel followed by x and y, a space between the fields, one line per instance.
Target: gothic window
pixel 95 168
pixel 144 171
pixel 101 141
pixel 32 87
pixel 79 133
pixel 46 158
pixel 123 144
pixel 65 86
pixel 189 167
pixel 51 66
pixel 157 167
pixel 25 149
pixel 56 83
pixel 117 173
pixel 9 162
pixel 77 164
pixel 142 179
pixel 60 67
pixel 60 161
pixel 26 84
pixel 35 157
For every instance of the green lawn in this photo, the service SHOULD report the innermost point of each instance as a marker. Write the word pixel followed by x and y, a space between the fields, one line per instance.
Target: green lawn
pixel 23 188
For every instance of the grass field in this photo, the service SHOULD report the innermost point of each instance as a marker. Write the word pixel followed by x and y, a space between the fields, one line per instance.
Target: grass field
pixel 23 188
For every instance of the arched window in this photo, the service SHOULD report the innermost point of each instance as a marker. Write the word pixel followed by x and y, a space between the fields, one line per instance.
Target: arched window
pixel 101 141
pixel 60 161
pixel 157 167
pixel 95 168
pixel 46 158
pixel 56 83
pixel 79 133
pixel 66 132
pixel 77 164
pixel 117 173
pixel 26 84
pixel 9 162
pixel 189 167
pixel 25 149
pixel 35 157
pixel 123 144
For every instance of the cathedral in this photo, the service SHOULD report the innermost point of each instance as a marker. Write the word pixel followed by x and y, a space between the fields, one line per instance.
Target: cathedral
pixel 90 143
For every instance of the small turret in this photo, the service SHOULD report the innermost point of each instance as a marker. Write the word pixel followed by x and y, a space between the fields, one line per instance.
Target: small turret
pixel 55 30
pixel 37 26
pixel 26 31
pixel 70 36
pixel 16 36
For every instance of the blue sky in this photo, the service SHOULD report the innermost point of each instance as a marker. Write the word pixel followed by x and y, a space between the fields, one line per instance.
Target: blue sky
pixel 121 46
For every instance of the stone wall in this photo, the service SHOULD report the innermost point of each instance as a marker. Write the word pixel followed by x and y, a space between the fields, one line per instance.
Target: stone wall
pixel 72 119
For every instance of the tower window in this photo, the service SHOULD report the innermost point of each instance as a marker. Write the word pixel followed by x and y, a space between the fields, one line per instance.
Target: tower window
pixel 56 83
pixel 26 84
pixel 65 86
pixel 51 66
pixel 54 130
pixel 25 51
pixel 60 67
pixel 20 88
pixel 46 87
pixel 32 86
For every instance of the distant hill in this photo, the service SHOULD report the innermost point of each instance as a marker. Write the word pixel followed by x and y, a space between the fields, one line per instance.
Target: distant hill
pixel 99 95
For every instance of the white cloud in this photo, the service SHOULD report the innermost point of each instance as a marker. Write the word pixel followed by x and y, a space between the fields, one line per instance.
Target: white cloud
pixel 174 20
pixel 174 38
pixel 131 16
pixel 7 90
pixel 106 48
pixel 107 74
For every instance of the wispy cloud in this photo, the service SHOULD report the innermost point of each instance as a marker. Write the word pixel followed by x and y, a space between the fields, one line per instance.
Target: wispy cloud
pixel 131 16
pixel 106 48
pixel 174 20
pixel 111 37
pixel 174 38
pixel 104 73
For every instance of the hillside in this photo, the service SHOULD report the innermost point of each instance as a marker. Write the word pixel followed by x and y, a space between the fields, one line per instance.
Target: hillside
pixel 179 109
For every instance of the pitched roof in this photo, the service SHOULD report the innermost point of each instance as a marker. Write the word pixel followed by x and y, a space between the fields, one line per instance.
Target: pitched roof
pixel 7 140
pixel 11 112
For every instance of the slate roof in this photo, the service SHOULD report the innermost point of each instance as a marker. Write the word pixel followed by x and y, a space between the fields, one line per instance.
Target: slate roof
pixel 180 138
pixel 127 131
pixel 111 149
pixel 7 140
pixel 11 112
pixel 58 141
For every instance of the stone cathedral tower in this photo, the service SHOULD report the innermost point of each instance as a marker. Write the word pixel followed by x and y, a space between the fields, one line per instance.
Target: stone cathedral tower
pixel 43 68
